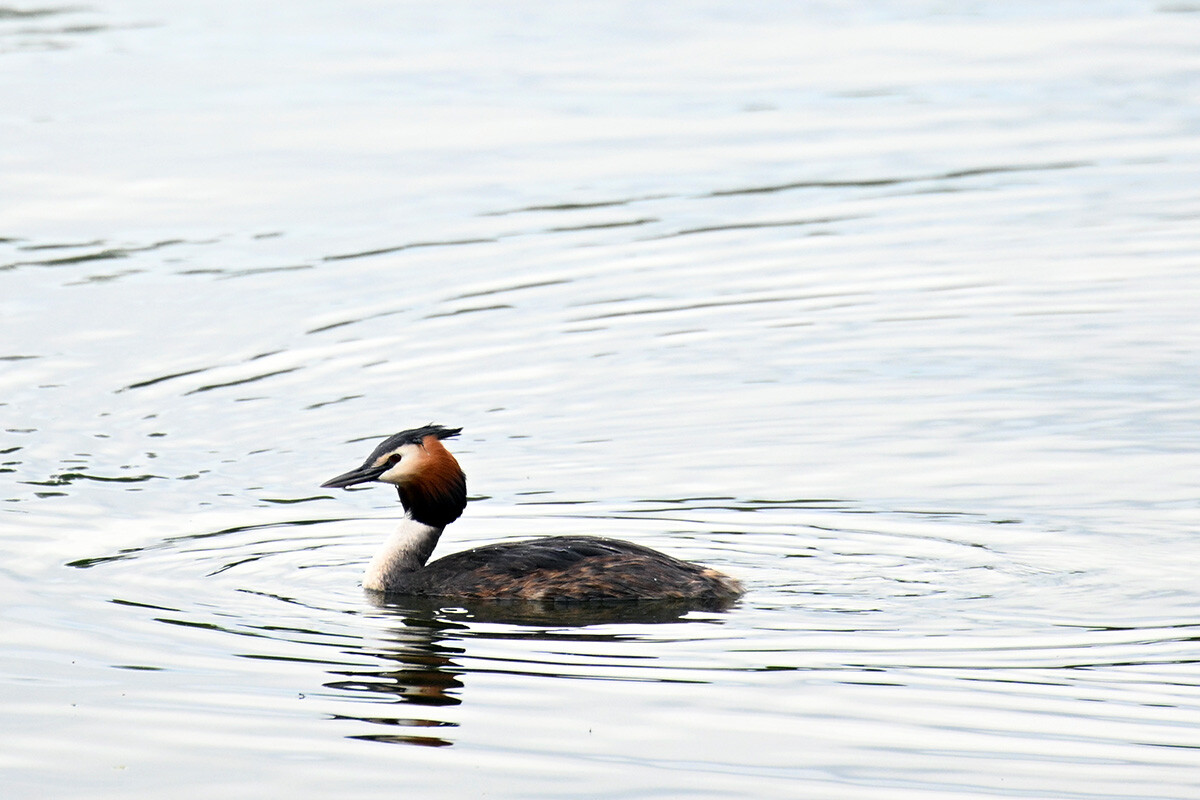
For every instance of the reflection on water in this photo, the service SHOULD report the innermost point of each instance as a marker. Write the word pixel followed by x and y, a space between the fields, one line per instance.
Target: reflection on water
pixel 896 335
pixel 416 668
pixel 421 661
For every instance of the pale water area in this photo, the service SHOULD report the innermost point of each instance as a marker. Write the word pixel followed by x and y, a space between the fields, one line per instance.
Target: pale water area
pixel 891 310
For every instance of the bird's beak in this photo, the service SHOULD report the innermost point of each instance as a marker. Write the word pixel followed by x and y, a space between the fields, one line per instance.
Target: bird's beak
pixel 363 474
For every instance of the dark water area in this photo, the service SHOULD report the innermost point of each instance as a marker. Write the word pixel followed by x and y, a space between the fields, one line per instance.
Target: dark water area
pixel 887 310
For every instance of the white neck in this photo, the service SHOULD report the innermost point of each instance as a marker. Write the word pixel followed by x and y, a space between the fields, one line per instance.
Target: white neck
pixel 406 550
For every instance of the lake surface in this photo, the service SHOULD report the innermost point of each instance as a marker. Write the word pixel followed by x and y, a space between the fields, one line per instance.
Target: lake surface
pixel 890 310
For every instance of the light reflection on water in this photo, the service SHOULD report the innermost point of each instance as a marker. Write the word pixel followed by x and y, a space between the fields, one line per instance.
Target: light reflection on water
pixel 898 334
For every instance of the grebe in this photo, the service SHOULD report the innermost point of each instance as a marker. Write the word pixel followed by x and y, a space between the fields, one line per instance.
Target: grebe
pixel 433 491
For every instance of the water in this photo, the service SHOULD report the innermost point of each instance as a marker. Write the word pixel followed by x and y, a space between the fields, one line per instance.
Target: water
pixel 888 310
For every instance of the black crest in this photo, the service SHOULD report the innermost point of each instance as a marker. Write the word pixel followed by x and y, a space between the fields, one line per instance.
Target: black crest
pixel 413 436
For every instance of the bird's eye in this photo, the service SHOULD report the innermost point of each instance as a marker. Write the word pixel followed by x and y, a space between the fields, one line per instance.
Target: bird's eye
pixel 393 459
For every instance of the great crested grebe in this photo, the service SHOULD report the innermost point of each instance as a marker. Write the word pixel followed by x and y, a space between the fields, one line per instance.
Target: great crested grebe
pixel 433 491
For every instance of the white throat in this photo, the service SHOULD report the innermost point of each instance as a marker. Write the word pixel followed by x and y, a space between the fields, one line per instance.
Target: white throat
pixel 406 550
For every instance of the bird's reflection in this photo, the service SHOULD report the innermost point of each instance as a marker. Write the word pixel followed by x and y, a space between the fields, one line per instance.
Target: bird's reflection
pixel 418 665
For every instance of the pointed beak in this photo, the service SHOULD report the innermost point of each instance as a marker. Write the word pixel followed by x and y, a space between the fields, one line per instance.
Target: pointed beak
pixel 362 474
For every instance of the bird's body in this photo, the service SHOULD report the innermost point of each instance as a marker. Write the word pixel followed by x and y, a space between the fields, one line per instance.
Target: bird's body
pixel 432 489
pixel 560 568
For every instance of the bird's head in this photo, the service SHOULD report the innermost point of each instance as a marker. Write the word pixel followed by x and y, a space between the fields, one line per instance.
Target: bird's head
pixel 431 484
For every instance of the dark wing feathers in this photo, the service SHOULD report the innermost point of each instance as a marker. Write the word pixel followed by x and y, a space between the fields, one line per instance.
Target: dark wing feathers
pixel 572 568
pixel 546 553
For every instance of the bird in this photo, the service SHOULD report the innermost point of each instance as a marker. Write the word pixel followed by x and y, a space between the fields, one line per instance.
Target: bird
pixel 433 492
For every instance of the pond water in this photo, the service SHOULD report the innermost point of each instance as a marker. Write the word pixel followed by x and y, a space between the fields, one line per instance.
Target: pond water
pixel 890 310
